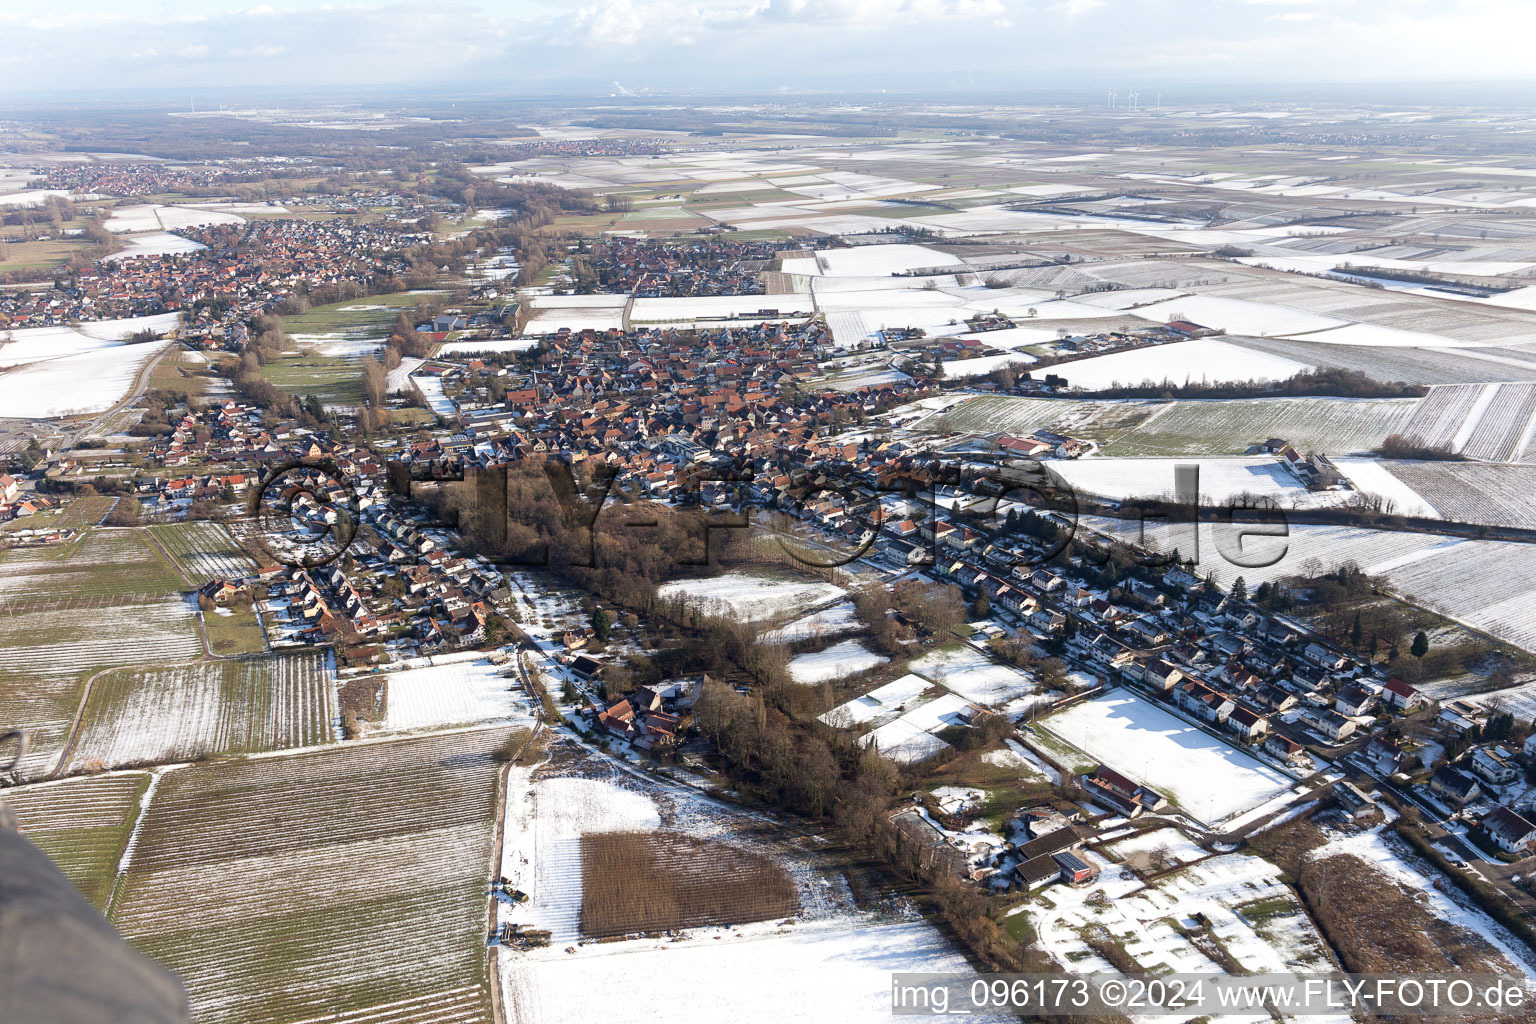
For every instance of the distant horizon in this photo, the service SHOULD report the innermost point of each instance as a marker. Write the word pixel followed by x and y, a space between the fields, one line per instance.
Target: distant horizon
pixel 1492 93
pixel 758 47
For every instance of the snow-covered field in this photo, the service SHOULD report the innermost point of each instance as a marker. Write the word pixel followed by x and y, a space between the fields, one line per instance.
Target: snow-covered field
pixel 154 217
pixel 1446 574
pixel 1333 426
pixel 431 388
pixel 184 711
pixel 88 382
pixel 1471 492
pixel 983 365
pixel 871 261
pixel 153 243
pixel 1017 415
pixel 1369 476
pixel 577 312
pixel 339 345
pixel 1208 778
pixel 35 344
pixel 455 694
pixel 973 675
pixel 1239 316
pixel 1221 480
pixel 32 197
pixel 306 840
pixel 881 702
pixel 398 380
pixel 827 623
pixel 904 742
pixel 913 736
pixel 829 962
pixel 542 847
pixel 1203 359
pixel 1168 843
pixel 747 597
pixel 839 660
pixel 838 972
pixel 1492 422
pixel 685 310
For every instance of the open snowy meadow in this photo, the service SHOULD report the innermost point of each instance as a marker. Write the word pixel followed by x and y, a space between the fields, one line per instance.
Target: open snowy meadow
pixel 973 675
pixel 49 372
pixel 1210 779
pixel 749 597
pixel 458 693
pixel 836 662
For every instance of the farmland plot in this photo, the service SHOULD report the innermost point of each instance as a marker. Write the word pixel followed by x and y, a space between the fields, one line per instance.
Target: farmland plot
pixel 1448 575
pixel 83 824
pixel 879 704
pixel 79 634
pixel 254 878
pixel 827 623
pixel 458 693
pixel 104 562
pixel 1454 579
pixel 1371 476
pixel 652 881
pixel 1519 701
pixel 1334 426
pixel 1281 557
pixel 87 382
pixel 167 713
pixel 1179 363
pixel 556 814
pixel 1079 418
pixel 1441 416
pixel 203 551
pixel 1411 365
pixel 829 973
pixel 1472 492
pixel 1480 942
pixel 43 704
pixel 1505 422
pixel 915 736
pixel 904 741
pixel 1221 479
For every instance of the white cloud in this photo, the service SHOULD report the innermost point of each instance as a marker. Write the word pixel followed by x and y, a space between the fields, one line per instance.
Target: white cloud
pixel 258 52
pixel 1076 8
pixel 632 22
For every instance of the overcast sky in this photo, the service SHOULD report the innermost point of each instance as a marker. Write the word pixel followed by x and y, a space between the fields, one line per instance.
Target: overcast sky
pixel 713 46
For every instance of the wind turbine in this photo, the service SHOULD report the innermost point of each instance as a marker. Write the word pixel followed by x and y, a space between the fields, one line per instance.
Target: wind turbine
pixel 1135 97
pixel 1159 101
pixel 1112 95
